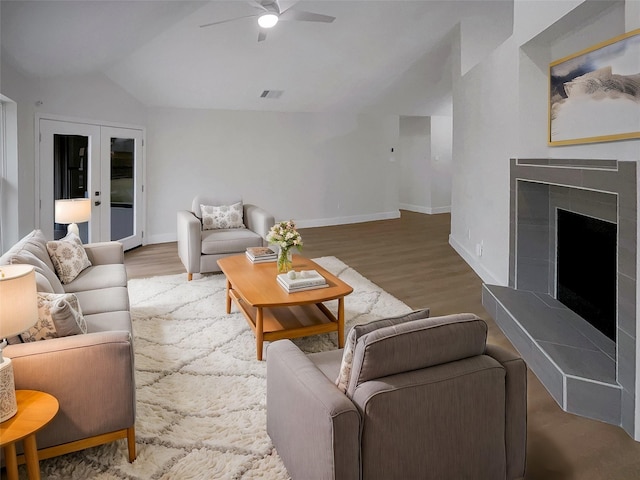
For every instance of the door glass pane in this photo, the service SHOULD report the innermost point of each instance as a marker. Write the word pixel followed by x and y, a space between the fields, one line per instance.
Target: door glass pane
pixel 122 187
pixel 70 174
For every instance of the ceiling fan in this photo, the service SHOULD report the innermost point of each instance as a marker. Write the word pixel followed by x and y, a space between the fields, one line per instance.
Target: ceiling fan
pixel 269 14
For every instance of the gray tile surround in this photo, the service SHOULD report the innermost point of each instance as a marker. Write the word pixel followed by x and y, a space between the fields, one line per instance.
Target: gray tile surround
pixel 585 372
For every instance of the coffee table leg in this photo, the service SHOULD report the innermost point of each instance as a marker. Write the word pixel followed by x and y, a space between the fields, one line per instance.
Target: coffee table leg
pixel 341 322
pixel 259 333
pixel 228 296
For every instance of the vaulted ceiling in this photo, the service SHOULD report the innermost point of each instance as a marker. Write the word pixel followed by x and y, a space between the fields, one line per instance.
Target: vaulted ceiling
pixel 391 56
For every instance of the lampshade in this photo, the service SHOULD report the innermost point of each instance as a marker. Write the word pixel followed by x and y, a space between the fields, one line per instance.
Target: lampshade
pixel 18 304
pixel 267 20
pixel 73 210
pixel 18 312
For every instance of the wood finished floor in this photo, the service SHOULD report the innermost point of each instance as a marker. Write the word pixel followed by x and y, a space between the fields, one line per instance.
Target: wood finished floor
pixel 411 258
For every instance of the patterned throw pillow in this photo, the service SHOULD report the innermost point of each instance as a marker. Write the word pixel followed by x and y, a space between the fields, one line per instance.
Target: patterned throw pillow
pixel 68 256
pixel 59 315
pixel 342 382
pixel 223 216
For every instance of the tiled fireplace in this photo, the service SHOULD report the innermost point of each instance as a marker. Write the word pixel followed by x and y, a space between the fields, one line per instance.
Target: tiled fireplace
pixel 587 372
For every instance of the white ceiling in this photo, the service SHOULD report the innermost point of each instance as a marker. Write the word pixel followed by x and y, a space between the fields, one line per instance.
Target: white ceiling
pixel 372 56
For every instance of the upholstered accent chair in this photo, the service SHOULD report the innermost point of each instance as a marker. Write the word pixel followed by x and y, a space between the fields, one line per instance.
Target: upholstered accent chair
pixel 203 241
pixel 424 398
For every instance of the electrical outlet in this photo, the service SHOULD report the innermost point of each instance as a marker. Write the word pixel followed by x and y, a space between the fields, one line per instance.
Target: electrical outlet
pixel 479 249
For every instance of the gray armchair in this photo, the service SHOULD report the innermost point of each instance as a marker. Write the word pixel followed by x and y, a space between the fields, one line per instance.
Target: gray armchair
pixel 199 250
pixel 425 399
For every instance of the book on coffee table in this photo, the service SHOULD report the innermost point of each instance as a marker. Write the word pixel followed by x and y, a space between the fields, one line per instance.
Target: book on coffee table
pixel 261 254
pixel 299 281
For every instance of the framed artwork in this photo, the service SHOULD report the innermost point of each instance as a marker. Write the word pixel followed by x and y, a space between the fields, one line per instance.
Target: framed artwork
pixel 594 95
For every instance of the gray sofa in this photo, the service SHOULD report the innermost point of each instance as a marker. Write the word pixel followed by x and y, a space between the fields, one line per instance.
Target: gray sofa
pixel 425 399
pixel 91 375
pixel 199 250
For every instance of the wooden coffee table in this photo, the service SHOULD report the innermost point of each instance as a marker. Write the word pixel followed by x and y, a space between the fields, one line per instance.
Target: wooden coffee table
pixel 274 314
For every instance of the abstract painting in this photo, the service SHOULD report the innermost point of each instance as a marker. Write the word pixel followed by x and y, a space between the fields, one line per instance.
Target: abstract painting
pixel 594 95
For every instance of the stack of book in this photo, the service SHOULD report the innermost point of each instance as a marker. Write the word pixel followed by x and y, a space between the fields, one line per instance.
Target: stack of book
pixel 261 254
pixel 299 281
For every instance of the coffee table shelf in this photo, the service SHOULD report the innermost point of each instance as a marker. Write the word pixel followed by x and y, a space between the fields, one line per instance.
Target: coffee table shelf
pixel 274 314
pixel 290 322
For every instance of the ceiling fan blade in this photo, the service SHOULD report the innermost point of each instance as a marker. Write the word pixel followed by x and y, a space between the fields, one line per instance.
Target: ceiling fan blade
pixel 228 20
pixel 262 35
pixel 302 16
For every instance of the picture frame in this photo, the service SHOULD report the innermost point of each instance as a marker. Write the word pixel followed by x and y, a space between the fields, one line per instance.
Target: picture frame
pixel 594 94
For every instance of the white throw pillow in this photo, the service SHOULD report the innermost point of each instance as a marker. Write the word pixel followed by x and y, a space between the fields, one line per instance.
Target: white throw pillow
pixel 222 216
pixel 68 256
pixel 59 315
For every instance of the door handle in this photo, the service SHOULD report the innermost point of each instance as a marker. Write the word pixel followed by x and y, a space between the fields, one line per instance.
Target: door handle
pixel 97 203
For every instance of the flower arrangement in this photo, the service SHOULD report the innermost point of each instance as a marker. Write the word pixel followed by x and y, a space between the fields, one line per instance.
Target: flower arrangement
pixel 285 235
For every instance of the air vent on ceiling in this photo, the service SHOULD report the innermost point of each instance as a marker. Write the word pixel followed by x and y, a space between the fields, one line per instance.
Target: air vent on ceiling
pixel 271 94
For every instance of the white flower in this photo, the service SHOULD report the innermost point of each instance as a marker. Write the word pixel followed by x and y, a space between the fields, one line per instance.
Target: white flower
pixel 285 235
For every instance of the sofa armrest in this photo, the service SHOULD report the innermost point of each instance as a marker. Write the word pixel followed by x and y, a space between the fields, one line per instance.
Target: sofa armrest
pixel 189 240
pixel 516 408
pixel 105 253
pixel 91 375
pixel 258 220
pixel 314 427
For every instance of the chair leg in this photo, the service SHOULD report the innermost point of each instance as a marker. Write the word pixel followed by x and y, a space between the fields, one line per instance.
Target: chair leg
pixel 189 276
pixel 131 443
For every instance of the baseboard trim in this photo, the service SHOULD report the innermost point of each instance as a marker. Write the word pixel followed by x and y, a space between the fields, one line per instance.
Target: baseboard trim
pixel 471 259
pixel 427 210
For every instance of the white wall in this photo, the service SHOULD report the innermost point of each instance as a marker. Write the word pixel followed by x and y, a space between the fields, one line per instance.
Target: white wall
pixel 441 159
pixel 485 136
pixel 318 169
pixel 21 194
pixel 424 157
pixel 414 157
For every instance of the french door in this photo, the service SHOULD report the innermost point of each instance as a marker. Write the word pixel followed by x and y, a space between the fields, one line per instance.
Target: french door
pixel 101 163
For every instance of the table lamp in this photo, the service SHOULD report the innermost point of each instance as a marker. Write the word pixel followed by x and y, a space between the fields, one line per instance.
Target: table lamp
pixel 18 312
pixel 73 211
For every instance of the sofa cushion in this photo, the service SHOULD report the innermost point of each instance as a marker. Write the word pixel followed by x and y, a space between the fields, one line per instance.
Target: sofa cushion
pixel 222 216
pixel 414 345
pixel 43 284
pixel 59 315
pixel 36 243
pixel 99 276
pixel 30 250
pixel 111 299
pixel 234 240
pixel 68 257
pixel 358 331
pixel 28 258
pixel 109 321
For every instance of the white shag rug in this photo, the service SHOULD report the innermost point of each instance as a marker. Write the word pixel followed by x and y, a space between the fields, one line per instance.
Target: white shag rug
pixel 201 393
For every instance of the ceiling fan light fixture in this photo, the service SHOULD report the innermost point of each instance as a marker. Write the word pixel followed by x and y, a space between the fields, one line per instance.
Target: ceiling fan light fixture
pixel 268 20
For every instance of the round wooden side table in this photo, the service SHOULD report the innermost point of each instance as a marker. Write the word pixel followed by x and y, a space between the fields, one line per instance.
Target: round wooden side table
pixel 35 410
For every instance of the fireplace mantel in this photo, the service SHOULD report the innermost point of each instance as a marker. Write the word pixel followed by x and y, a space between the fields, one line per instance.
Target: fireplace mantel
pixel 586 373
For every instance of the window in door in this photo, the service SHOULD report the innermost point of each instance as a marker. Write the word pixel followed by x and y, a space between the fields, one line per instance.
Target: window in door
pixel 70 174
pixel 122 187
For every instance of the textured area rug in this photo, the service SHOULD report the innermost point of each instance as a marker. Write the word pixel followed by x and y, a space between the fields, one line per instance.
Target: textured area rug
pixel 201 393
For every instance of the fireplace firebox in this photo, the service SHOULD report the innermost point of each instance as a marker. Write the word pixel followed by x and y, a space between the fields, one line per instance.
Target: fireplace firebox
pixel 587 269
